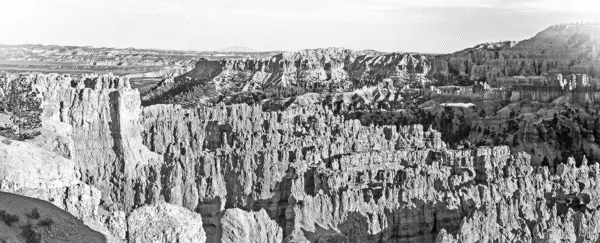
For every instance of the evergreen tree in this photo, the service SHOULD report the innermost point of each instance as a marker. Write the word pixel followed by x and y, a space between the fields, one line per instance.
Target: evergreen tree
pixel 25 106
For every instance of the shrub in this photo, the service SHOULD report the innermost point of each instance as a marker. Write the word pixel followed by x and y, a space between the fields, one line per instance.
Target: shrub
pixel 23 101
pixel 34 214
pixel 30 234
pixel 46 222
pixel 9 219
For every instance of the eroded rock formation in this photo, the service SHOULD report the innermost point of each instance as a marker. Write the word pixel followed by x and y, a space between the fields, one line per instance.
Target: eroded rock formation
pixel 303 174
pixel 564 48
pixel 312 70
pixel 165 222
pixel 241 226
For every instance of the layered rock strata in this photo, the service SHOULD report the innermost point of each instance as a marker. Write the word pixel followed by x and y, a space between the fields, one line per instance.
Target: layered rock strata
pixel 318 69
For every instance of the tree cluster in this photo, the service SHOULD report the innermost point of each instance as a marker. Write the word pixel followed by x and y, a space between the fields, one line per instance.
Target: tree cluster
pixel 24 104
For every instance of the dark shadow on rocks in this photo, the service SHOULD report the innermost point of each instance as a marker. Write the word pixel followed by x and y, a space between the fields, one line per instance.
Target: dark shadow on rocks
pixel 118 175
pixel 322 234
pixel 355 228
pixel 309 182
pixel 278 203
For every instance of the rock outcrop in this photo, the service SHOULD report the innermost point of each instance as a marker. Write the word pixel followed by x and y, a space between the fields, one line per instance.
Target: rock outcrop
pixel 241 226
pixel 312 70
pixel 29 170
pixel 564 48
pixel 165 222
pixel 305 172
pixel 104 114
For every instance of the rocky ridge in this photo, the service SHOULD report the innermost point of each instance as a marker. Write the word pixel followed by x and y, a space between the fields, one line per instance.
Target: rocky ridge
pixel 318 69
pixel 564 48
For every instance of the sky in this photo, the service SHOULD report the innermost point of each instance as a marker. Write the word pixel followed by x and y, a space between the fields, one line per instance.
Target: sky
pixel 428 26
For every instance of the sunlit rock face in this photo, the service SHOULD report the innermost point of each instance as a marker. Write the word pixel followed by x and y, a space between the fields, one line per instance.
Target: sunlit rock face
pixel 219 173
pixel 165 222
pixel 321 177
pixel 241 226
pixel 311 70
pixel 103 112
pixel 562 48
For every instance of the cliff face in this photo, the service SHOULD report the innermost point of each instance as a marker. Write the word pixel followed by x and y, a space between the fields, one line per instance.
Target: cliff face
pixel 567 48
pixel 308 69
pixel 101 170
pixel 165 223
pixel 273 160
pixel 104 114
pixel 320 177
pixel 294 175
pixel 30 170
pixel 241 226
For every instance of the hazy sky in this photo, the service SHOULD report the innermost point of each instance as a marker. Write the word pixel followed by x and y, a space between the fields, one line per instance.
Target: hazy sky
pixel 423 26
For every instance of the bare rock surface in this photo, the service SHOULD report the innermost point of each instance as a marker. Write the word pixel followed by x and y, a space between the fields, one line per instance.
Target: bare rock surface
pixel 241 226
pixel 315 175
pixel 29 170
pixel 165 222
pixel 311 69
pixel 24 166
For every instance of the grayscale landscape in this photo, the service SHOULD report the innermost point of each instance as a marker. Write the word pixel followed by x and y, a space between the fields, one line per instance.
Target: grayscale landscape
pixel 474 121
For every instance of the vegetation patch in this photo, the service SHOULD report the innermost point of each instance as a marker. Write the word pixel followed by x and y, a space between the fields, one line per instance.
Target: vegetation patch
pixel 46 222
pixel 23 102
pixel 9 219
pixel 30 234
pixel 34 214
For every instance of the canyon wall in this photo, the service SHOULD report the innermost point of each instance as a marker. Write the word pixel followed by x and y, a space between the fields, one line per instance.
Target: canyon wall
pixel 566 49
pixel 307 66
pixel 303 174
pixel 321 177
pixel 312 70
pixel 92 160
pixel 104 114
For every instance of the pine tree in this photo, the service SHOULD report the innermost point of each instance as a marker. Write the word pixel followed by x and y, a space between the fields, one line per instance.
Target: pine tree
pixel 3 96
pixel 24 104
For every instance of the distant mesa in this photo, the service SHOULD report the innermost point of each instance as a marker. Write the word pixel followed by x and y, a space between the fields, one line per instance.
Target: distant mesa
pixel 237 49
